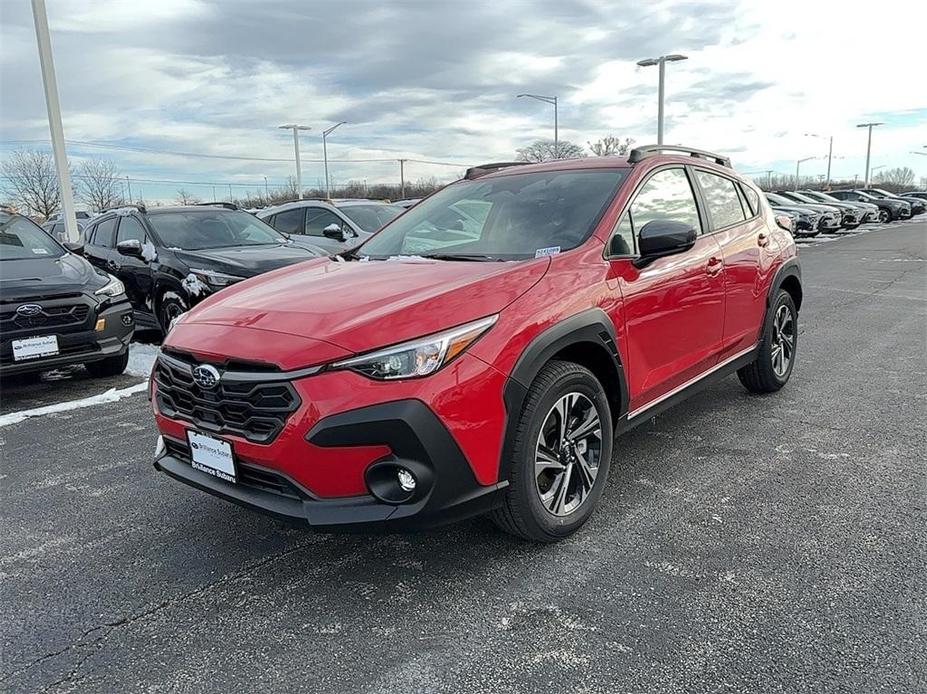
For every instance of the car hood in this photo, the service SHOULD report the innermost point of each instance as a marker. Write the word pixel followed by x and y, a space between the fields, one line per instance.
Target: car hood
pixel 797 209
pixel 822 208
pixel 245 261
pixel 358 306
pixel 35 278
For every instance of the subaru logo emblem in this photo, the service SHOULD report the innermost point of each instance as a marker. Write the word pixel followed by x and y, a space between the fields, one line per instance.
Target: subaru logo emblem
pixel 206 376
pixel 29 310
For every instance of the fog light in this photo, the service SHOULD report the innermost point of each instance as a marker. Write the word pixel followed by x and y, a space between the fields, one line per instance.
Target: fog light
pixel 406 480
pixel 159 447
pixel 101 324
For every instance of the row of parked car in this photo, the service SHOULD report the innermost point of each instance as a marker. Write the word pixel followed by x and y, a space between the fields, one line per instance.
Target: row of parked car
pixel 813 212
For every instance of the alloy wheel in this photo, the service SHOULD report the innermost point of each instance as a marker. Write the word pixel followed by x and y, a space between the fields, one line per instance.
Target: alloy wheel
pixel 783 341
pixel 568 454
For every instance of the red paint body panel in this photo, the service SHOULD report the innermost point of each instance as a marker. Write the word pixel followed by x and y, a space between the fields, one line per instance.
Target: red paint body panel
pixel 674 319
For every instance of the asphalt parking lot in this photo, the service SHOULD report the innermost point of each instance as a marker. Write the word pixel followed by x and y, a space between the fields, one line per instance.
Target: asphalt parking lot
pixel 744 543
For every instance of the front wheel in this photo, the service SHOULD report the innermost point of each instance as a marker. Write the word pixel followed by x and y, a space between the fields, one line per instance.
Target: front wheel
pixel 563 447
pixel 111 366
pixel 171 308
pixel 775 357
pixel 885 216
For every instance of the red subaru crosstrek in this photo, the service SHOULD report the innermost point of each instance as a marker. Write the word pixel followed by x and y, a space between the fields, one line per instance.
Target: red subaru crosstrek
pixel 481 352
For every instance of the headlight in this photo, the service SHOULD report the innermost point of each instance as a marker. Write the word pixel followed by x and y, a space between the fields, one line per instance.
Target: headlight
pixel 215 279
pixel 112 288
pixel 419 357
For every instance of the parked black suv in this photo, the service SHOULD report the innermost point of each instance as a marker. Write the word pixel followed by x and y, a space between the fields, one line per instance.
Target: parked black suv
pixel 170 258
pixel 889 210
pixel 917 206
pixel 56 309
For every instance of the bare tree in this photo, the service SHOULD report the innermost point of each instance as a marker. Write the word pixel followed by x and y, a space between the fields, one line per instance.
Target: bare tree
pixel 99 184
pixel 547 150
pixel 900 177
pixel 185 198
pixel 610 145
pixel 30 178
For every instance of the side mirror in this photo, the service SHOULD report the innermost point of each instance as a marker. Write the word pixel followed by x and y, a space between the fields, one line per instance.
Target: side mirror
pixel 74 247
pixel 334 231
pixel 131 248
pixel 662 237
pixel 783 221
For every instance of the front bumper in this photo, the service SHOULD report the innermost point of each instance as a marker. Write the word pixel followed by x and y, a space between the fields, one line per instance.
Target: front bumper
pixel 416 439
pixel 78 345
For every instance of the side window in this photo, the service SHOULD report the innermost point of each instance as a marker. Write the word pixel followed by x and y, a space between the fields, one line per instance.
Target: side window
pixel 291 221
pixel 753 199
pixel 667 195
pixel 130 228
pixel 318 218
pixel 622 242
pixel 105 231
pixel 721 197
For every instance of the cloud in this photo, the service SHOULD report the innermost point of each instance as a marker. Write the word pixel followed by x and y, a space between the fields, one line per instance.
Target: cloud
pixel 437 81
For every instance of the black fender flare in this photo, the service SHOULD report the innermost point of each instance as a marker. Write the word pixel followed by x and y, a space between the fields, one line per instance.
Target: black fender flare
pixel 790 268
pixel 591 326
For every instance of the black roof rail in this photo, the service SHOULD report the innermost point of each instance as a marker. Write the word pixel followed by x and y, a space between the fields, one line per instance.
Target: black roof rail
pixel 226 205
pixel 483 169
pixel 646 151
pixel 140 208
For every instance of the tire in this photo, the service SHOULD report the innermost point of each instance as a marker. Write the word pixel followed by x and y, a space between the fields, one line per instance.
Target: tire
pixel 885 216
pixel 170 308
pixel 533 507
pixel 111 366
pixel 769 371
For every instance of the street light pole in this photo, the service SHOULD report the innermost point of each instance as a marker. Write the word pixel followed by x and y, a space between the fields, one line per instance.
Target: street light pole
pixel 874 169
pixel 553 101
pixel 798 166
pixel 830 154
pixel 402 179
pixel 299 174
pixel 325 134
pixel 870 126
pixel 661 63
pixel 43 39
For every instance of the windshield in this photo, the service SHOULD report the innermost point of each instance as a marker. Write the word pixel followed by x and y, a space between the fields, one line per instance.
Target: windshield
pixel 882 193
pixel 775 199
pixel 507 218
pixel 371 217
pixel 21 239
pixel 200 230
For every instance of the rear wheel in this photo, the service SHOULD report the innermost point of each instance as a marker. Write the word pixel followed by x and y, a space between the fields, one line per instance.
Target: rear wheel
pixel 775 357
pixel 111 366
pixel 563 448
pixel 885 216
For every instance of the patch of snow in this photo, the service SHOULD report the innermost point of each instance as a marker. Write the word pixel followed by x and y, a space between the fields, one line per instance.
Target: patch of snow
pixel 111 395
pixel 124 211
pixel 141 359
pixel 192 284
pixel 148 252
pixel 409 258
pixel 173 295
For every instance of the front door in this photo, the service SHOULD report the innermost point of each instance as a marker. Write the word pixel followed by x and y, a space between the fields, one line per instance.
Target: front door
pixel 135 273
pixel 673 308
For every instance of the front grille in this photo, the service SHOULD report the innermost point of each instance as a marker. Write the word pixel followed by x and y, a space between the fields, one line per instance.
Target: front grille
pixel 248 475
pixel 254 410
pixel 49 318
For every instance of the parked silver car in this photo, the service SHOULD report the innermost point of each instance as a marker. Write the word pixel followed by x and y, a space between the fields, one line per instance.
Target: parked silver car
pixel 335 225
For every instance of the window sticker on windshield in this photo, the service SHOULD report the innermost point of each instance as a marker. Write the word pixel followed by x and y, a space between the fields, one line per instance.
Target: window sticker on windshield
pixel 542 252
pixel 40 251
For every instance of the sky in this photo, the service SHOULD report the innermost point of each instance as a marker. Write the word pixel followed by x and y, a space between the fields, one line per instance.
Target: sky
pixel 437 82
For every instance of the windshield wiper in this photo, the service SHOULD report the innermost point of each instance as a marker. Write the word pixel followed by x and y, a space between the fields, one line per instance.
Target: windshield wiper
pixel 475 257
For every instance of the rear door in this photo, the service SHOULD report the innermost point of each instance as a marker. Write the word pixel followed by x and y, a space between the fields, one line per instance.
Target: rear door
pixel 748 255
pixel 673 308
pixel 135 273
pixel 100 242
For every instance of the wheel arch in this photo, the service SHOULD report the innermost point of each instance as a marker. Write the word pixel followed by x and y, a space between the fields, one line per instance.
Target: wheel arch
pixel 587 338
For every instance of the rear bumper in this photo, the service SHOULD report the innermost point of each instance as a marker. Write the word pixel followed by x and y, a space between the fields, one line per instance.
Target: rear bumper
pixel 79 347
pixel 447 489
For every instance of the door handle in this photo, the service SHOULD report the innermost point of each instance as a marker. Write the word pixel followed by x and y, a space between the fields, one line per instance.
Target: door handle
pixel 714 265
pixel 762 240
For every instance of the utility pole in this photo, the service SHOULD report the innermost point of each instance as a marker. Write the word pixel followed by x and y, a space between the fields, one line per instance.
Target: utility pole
pixel 43 38
pixel 661 63
pixel 769 174
pixel 230 192
pixel 266 189
pixel 299 174
pixel 129 186
pixel 402 179
pixel 870 126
